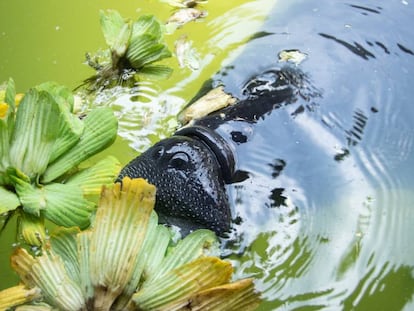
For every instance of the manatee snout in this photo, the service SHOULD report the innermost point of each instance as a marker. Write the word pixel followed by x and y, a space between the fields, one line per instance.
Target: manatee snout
pixel 189 182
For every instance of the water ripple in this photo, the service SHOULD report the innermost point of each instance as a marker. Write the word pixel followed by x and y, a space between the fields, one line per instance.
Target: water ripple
pixel 145 113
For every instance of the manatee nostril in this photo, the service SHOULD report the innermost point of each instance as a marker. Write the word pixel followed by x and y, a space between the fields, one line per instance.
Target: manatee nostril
pixel 179 160
pixel 157 152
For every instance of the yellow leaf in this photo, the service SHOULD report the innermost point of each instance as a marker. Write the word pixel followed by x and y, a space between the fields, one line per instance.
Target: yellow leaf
pixel 120 228
pixel 49 274
pixel 18 98
pixel 180 283
pixel 17 295
pixel 239 295
pixel 32 229
pixel 3 109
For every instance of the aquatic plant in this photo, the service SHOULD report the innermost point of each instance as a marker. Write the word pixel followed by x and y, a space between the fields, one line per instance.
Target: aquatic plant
pixel 133 48
pixel 212 101
pixel 184 3
pixel 182 17
pixel 42 144
pixel 126 261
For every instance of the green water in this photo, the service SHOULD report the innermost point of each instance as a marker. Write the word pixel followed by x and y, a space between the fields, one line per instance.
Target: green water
pixel 47 41
pixel 353 253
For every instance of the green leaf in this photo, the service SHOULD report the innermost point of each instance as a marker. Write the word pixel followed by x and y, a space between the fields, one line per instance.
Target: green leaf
pixel 91 179
pixel 60 203
pixel 32 199
pixel 49 274
pixel 35 132
pixel 9 201
pixel 152 253
pixel 32 229
pixel 147 24
pixel 180 283
pixel 61 94
pixel 66 206
pixel 145 49
pixel 115 30
pixel 239 295
pixel 156 253
pixel 10 96
pixel 4 148
pixel 100 131
pixel 121 44
pixel 70 131
pixel 199 243
pixel 155 71
pixel 71 127
pixel 7 126
pixel 64 244
pixel 120 227
pixel 16 173
pixel 83 242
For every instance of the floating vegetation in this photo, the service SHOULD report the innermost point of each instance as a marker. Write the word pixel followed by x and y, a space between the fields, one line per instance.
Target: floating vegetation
pixel 182 17
pixel 186 54
pixel 184 3
pixel 126 261
pixel 133 48
pixel 214 100
pixel 293 56
pixel 42 144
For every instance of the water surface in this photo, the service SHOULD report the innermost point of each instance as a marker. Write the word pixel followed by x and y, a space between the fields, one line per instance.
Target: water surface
pixel 334 230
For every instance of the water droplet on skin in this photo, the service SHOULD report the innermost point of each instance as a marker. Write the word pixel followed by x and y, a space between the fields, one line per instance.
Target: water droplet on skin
pixel 57 28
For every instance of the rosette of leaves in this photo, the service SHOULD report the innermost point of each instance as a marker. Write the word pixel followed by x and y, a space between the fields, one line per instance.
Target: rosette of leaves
pixel 126 261
pixel 42 144
pixel 134 47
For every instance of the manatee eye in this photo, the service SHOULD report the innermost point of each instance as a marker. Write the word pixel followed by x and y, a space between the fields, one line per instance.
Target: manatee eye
pixel 179 161
pixel 157 152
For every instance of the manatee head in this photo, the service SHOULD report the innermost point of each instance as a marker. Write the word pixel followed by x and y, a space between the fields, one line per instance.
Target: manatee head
pixel 189 181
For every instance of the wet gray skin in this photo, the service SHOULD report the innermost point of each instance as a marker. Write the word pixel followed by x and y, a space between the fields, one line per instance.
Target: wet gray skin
pixel 190 186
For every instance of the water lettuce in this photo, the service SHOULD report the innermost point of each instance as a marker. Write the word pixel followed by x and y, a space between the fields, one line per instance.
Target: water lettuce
pixel 133 48
pixel 42 144
pixel 126 261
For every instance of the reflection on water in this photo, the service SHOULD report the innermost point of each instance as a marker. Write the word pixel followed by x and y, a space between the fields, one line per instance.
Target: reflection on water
pixel 324 201
pixel 146 113
pixel 342 166
pixel 355 48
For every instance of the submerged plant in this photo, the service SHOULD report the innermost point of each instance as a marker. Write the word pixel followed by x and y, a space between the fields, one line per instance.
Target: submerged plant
pixel 126 261
pixel 42 144
pixel 133 48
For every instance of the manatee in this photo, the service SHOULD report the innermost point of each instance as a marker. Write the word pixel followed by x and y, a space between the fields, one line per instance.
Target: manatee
pixel 191 168
pixel 316 89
